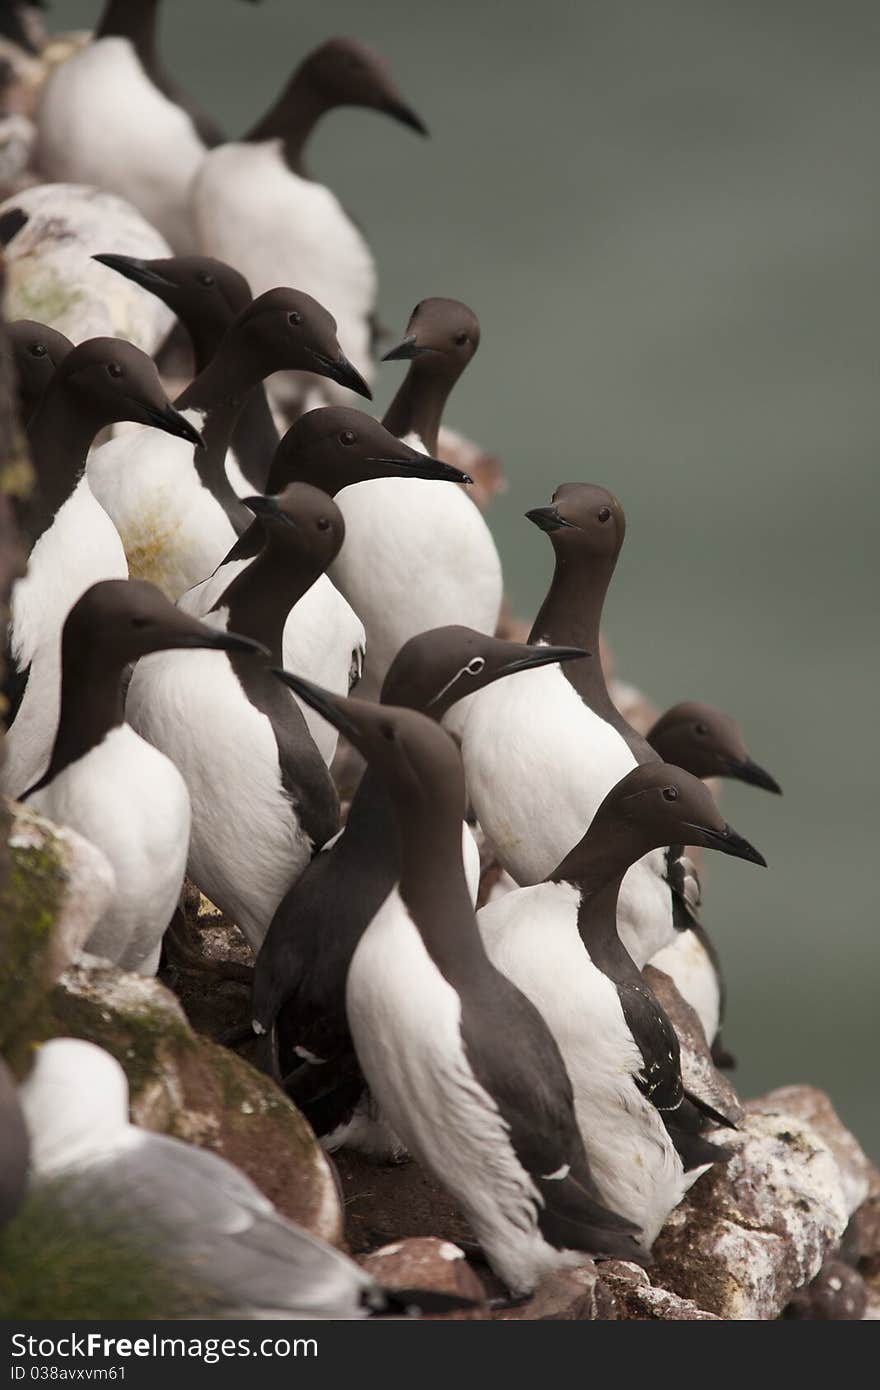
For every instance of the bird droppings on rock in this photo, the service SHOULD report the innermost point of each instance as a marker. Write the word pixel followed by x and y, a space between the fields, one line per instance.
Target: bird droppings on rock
pixel 426 1263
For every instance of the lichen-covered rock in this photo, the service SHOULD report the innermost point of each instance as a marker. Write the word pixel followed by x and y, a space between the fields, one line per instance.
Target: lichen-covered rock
pixel 565 1295
pixel 482 467
pixel 17 138
pixel 701 1076
pixel 753 1231
pixel 57 888
pixel 814 1107
pixel 837 1294
pixel 636 1299
pixel 184 1085
pixel 51 277
pixel 427 1263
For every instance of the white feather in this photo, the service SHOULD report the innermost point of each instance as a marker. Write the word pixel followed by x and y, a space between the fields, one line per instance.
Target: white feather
pixel 696 979
pixel 130 801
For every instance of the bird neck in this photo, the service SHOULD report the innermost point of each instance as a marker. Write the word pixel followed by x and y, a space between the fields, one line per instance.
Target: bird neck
pixel 260 598
pixel 419 404
pixel 134 20
pixel 292 119
pixel 91 705
pixel 224 381
pixel 219 395
pixel 255 438
pixel 570 616
pixel 596 868
pixel 60 435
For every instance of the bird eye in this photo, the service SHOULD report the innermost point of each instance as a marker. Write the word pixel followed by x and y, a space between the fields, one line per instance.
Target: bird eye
pixel 206 278
pixel 702 728
pixel 604 514
pixel 38 350
pixel 460 339
pixel 140 622
pixel 348 437
pixel 295 317
pixel 114 369
pixel 670 793
pixel 475 665
pixel 323 523
pixel 388 732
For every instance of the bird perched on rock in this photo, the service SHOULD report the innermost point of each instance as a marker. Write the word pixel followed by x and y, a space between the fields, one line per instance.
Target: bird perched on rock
pixel 254 205
pixel 443 566
pixel 207 295
pixel 106 782
pixel 36 352
pixel 334 449
pixel 188 1203
pixel 174 506
pixel 262 799
pixel 301 970
pixel 73 541
pixel 110 117
pixel 541 753
pixel 558 942
pixel 462 1066
pixel 708 743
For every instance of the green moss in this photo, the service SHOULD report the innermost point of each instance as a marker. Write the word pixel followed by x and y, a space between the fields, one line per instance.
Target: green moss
pixel 44 297
pixel 59 1259
pixel 29 905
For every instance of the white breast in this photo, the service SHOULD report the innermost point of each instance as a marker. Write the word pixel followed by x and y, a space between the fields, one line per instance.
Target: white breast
pixel 687 962
pixel 280 229
pixel 406 1024
pixel 531 935
pixel 103 122
pixel 174 531
pixel 538 764
pixel 80 548
pixel 324 641
pixel 132 803
pixel 247 846
pixel 417 555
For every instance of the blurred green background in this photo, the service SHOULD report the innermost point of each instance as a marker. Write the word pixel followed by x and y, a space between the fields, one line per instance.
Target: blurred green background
pixel 667 218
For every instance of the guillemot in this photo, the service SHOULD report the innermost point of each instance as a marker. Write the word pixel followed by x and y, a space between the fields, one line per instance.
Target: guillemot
pixel 188 1203
pixel 175 508
pixel 443 567
pixel 708 743
pixel 73 542
pixel 433 1020
pixel 558 942
pixel 14 1148
pixel 36 352
pixel 207 295
pixel 299 981
pixel 254 205
pixel 541 753
pixel 333 448
pixel 109 117
pixel 262 799
pixel 107 782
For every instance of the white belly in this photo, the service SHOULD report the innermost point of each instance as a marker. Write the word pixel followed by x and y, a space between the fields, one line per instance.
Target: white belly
pixel 417 555
pixel 132 803
pixel 103 122
pixel 531 935
pixel 174 532
pixel 687 962
pixel 80 548
pixel 324 641
pixel 538 765
pixel 277 228
pixel 406 1024
pixel 246 846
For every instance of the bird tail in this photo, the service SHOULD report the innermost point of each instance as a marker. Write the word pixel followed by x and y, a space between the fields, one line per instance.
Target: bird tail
pixel 572 1219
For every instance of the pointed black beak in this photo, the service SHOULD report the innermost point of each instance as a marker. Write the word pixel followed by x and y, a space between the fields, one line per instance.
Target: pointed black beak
pixel 399 111
pixel 543 656
pixel 211 640
pixel 749 771
pixel 267 506
pixel 405 350
pixel 422 466
pixel 548 518
pixel 343 372
pixel 728 842
pixel 141 272
pixel 319 700
pixel 171 421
